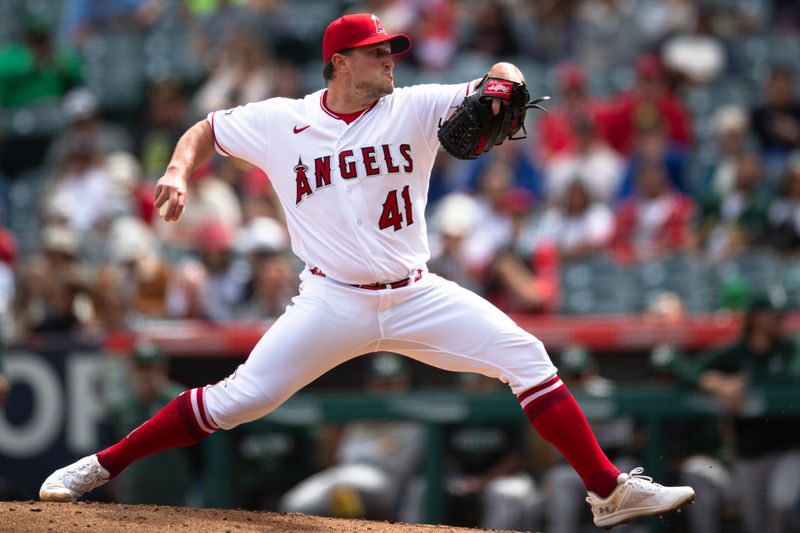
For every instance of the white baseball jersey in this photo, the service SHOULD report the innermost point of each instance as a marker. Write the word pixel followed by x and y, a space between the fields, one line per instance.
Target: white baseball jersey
pixel 354 194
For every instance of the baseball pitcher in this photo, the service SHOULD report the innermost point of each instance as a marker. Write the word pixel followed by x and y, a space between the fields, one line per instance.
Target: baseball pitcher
pixel 351 166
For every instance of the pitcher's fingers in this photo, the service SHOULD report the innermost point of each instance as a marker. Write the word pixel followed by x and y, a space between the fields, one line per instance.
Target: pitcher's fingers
pixel 181 205
pixel 172 205
pixel 495 106
pixel 161 195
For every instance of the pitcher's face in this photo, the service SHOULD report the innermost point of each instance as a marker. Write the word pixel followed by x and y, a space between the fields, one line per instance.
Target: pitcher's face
pixel 372 70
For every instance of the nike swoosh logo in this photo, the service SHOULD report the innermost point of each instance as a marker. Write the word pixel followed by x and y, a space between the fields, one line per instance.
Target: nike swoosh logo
pixel 298 130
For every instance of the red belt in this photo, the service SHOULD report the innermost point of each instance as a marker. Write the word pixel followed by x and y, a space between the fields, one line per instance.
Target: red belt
pixel 378 286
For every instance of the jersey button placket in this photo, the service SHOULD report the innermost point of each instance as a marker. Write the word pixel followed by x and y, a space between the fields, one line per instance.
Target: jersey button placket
pixel 352 200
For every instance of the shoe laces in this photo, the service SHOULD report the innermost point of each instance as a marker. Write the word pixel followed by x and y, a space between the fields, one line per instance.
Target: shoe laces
pixel 636 475
pixel 83 473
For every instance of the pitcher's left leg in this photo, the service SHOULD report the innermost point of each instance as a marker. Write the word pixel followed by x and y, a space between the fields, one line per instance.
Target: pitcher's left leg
pixel 441 324
pixel 449 327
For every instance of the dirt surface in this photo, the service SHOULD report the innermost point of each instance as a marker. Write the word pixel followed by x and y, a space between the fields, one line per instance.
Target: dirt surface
pixel 37 517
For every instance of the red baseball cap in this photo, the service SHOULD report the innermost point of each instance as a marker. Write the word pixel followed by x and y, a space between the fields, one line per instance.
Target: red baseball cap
pixel 360 29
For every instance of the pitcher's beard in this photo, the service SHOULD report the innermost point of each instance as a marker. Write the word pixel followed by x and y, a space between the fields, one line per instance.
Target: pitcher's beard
pixel 370 91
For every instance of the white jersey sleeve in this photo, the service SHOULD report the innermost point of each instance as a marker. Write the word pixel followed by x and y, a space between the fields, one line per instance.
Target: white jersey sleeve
pixel 434 102
pixel 243 131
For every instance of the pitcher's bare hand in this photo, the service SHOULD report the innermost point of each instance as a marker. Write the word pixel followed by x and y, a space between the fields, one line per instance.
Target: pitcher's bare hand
pixel 170 195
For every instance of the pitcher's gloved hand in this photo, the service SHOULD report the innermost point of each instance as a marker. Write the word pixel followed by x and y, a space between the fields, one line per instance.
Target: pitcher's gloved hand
pixel 474 128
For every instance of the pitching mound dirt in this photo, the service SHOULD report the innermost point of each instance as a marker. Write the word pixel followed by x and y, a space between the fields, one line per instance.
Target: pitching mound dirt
pixel 38 517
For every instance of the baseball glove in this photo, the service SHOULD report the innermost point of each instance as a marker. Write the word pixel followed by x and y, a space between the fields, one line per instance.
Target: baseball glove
pixel 472 129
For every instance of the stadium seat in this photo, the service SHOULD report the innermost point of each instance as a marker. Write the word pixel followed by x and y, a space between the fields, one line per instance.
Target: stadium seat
pixel 25 196
pixel 115 67
pixel 757 269
pixel 596 285
pixel 684 275
pixel 790 280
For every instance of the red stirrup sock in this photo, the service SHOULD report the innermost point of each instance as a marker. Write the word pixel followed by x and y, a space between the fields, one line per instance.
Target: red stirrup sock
pixel 556 416
pixel 182 422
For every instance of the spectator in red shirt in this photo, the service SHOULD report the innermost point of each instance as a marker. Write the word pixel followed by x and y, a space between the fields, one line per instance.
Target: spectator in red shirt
pixel 655 220
pixel 649 102
pixel 557 133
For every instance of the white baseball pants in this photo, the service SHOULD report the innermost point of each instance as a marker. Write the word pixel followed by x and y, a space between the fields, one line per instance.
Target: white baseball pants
pixel 432 320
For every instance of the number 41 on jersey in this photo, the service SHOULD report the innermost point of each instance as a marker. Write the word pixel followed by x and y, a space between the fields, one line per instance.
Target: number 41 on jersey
pixel 391 217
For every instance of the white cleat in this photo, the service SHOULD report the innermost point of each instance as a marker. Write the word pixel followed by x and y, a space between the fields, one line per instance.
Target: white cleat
pixel 71 482
pixel 636 495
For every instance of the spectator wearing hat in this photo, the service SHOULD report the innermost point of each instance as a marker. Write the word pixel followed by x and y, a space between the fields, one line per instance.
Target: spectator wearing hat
pixel 163 479
pixel 132 283
pixel 81 112
pixel 265 244
pixel 454 218
pixel 766 464
pixel 125 204
pixel 733 137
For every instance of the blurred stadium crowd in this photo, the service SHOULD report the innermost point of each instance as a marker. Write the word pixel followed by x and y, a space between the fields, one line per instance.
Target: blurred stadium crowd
pixel 665 176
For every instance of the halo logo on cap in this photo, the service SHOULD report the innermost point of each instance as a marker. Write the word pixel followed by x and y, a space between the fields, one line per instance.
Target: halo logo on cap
pixel 378 25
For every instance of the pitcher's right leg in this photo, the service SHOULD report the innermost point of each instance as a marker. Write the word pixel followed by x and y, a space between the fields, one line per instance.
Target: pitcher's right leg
pixel 325 326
